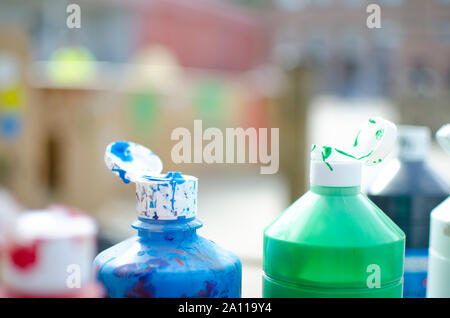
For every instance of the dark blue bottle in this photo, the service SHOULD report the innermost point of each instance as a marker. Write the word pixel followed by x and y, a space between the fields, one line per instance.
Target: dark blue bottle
pixel 407 190
pixel 167 258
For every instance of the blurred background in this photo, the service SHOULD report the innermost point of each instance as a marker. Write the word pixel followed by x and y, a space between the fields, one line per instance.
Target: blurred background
pixel 137 69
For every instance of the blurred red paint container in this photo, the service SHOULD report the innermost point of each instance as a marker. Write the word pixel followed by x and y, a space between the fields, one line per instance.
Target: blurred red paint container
pixel 49 253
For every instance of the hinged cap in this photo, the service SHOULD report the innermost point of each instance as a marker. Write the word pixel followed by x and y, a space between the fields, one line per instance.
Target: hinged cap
pixel 159 196
pixel 334 167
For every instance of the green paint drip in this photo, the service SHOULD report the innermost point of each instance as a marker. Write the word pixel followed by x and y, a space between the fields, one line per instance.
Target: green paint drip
pixel 326 152
pixel 375 161
pixel 314 147
pixel 356 139
pixel 345 154
pixel 365 155
pixel 329 166
pixel 351 156
pixel 379 134
pixel 372 121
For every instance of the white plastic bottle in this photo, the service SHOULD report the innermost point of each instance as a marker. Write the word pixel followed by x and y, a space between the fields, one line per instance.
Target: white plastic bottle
pixel 438 285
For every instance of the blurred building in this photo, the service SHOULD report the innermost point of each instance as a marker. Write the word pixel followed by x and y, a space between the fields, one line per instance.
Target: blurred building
pixel 149 67
pixel 409 53
pixel 202 34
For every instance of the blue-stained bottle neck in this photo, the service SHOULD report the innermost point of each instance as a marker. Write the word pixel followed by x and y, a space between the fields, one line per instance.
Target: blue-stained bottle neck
pixel 168 230
pixel 336 191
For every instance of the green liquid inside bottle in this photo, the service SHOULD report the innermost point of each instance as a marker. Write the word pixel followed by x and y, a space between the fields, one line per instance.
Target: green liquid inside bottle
pixel 333 242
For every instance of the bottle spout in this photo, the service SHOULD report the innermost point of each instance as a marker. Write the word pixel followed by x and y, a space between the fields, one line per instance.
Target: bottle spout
pixel 167 197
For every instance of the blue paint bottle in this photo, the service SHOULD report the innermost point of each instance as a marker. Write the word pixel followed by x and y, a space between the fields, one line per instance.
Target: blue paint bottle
pixel 166 258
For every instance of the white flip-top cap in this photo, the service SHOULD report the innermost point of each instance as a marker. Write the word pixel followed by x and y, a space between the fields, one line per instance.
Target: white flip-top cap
pixel 159 196
pixel 334 167
pixel 413 142
pixel 443 137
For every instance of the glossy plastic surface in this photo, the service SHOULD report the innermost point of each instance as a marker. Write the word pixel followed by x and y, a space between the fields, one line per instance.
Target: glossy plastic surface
pixel 168 259
pixel 333 242
pixel 408 198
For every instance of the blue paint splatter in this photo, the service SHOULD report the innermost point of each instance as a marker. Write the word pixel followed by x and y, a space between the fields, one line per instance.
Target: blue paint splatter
pixel 120 149
pixel 122 174
pixel 175 178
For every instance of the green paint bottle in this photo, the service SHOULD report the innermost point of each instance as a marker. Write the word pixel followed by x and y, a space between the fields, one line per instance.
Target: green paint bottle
pixel 333 241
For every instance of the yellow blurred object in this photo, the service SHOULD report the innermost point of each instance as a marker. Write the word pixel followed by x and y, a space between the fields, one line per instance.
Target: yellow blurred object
pixel 72 65
pixel 11 97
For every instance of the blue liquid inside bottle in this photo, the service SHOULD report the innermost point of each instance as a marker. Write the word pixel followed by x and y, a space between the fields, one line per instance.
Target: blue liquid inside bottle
pixel 169 259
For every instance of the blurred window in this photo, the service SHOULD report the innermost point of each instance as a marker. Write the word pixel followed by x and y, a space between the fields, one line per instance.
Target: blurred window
pixel 390 35
pixel 443 2
pixel 421 78
pixel 316 49
pixel 441 30
pixel 383 66
pixel 350 71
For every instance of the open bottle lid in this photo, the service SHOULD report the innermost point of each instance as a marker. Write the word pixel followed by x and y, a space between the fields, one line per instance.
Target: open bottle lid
pixel 131 161
pixel 335 167
pixel 159 196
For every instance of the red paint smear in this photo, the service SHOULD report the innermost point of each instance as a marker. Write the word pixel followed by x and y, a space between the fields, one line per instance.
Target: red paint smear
pixel 209 288
pixel 139 290
pixel 97 268
pixel 175 250
pixel 24 257
pixel 179 261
